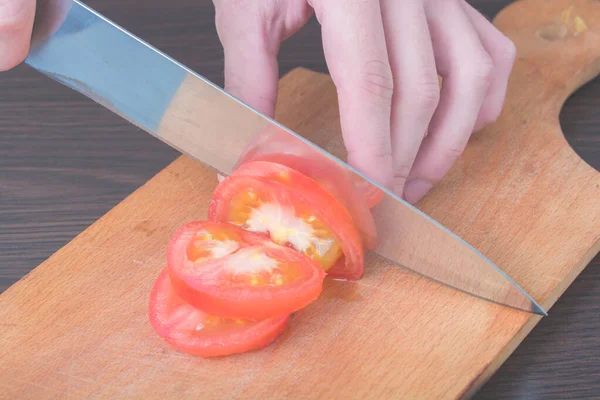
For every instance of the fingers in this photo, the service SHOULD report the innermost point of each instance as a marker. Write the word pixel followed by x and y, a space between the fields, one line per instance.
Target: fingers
pixel 355 51
pixel 251 70
pixel 16 23
pixel 502 52
pixel 251 32
pixel 417 89
pixel 382 56
pixel 467 70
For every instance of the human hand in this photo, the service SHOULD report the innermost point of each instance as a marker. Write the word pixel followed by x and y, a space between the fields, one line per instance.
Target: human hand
pixel 16 24
pixel 384 57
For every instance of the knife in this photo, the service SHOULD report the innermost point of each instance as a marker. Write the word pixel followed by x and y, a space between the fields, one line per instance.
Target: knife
pixel 78 47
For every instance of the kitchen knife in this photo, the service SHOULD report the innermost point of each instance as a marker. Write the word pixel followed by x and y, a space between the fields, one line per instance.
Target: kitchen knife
pixel 80 48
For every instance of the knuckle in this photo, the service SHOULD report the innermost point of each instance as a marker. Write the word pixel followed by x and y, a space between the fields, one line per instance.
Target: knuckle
pixel 424 96
pixel 480 71
pixel 484 68
pixel 374 148
pixel 401 173
pixel 377 80
pixel 506 53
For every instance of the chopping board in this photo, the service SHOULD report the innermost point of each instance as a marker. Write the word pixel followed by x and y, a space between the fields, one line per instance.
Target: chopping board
pixel 76 327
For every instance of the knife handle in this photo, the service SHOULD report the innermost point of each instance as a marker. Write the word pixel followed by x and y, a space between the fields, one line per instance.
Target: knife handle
pixel 558 43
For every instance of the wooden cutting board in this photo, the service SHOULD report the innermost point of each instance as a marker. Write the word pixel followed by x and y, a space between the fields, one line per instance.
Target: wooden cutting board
pixel 77 326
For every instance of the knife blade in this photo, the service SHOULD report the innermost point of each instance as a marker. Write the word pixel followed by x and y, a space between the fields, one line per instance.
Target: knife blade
pixel 80 48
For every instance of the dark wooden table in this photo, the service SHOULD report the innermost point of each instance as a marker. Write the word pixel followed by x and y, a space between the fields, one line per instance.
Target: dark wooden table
pixel 65 161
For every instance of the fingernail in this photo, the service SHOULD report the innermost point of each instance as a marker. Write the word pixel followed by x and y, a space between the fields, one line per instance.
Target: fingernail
pixel 414 190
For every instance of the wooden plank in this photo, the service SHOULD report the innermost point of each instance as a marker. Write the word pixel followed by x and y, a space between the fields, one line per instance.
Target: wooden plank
pixel 77 325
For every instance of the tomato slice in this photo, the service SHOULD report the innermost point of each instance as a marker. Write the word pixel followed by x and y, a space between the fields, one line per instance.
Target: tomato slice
pixel 294 210
pixel 373 195
pixel 345 186
pixel 198 333
pixel 227 271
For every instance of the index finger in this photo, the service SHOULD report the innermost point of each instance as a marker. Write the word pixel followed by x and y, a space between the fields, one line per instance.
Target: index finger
pixel 356 54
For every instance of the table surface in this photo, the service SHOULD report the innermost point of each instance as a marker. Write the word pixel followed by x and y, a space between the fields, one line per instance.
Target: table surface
pixel 65 161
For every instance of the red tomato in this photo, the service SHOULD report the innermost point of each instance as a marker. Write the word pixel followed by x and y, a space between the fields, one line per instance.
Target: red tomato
pixel 373 195
pixel 227 271
pixel 195 332
pixel 294 210
pixel 344 185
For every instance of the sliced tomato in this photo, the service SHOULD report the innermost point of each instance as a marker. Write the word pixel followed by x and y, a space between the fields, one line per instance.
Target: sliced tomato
pixel 294 210
pixel 372 194
pixel 198 333
pixel 227 271
pixel 347 187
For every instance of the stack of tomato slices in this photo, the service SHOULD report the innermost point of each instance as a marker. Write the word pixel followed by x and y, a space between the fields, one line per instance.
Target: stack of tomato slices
pixel 272 236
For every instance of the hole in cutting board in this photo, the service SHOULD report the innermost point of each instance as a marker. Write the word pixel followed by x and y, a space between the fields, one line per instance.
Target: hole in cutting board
pixel 552 32
pixel 580 122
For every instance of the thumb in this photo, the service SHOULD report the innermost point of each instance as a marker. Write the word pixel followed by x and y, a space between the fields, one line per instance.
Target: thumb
pixel 16 23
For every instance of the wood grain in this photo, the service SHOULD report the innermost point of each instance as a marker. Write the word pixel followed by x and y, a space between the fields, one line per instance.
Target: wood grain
pixel 57 168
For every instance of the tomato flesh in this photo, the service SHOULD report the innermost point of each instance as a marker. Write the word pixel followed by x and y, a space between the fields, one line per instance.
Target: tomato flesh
pixel 356 194
pixel 227 271
pixel 195 332
pixel 293 210
pixel 259 211
pixel 277 226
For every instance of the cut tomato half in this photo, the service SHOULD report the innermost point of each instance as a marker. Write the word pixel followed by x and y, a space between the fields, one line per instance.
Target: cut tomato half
pixel 198 333
pixel 347 187
pixel 227 271
pixel 294 210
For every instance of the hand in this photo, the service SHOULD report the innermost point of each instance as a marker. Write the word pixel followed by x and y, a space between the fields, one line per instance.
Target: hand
pixel 16 24
pixel 384 57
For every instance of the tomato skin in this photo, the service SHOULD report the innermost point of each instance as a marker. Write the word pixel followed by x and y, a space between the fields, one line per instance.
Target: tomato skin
pixel 373 195
pixel 169 316
pixel 304 191
pixel 205 285
pixel 348 188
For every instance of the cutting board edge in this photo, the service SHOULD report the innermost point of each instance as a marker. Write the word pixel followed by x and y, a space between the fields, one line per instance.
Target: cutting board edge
pixel 488 371
pixel 81 234
pixel 593 251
